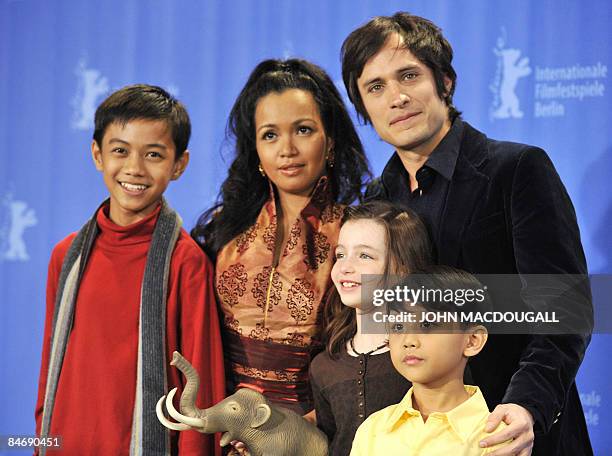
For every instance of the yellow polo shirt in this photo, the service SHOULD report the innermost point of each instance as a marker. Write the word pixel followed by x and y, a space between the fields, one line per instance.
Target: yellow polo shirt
pixel 399 429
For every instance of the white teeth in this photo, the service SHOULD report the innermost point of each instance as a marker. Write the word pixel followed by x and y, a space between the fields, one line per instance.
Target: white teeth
pixel 350 284
pixel 133 187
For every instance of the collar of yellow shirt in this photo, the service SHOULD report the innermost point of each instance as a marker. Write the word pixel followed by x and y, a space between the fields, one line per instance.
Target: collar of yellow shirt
pixel 463 419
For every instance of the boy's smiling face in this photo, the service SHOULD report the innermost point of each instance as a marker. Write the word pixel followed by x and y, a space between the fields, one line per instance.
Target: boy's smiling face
pixel 137 160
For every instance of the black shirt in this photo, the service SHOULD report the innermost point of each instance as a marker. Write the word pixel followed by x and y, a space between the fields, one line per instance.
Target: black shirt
pixel 349 389
pixel 434 178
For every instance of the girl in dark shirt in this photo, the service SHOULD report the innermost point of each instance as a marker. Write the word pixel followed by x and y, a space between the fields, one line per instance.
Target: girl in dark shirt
pixel 354 376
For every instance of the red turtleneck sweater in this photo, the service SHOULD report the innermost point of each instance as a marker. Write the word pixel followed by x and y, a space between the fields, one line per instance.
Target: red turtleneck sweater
pixel 96 391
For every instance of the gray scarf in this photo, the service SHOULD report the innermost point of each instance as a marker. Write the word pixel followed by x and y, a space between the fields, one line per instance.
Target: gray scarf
pixel 148 435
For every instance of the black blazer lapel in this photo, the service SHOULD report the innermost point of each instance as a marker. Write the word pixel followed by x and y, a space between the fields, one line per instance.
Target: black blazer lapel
pixel 467 187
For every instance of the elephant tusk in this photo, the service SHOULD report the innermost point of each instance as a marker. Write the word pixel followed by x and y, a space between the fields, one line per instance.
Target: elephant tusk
pixel 193 422
pixel 163 420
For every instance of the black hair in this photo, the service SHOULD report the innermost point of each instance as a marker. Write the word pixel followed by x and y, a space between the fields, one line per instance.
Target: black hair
pixel 245 190
pixel 448 290
pixel 143 101
pixel 419 35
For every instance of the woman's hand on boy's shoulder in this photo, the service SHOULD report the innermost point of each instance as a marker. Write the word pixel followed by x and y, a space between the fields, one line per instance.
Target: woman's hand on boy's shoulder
pixel 519 430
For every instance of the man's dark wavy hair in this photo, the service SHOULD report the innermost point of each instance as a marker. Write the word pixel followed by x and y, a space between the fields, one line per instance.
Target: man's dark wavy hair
pixel 245 190
pixel 420 36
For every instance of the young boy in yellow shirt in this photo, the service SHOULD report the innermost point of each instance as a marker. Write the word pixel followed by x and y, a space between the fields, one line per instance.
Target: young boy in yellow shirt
pixel 439 415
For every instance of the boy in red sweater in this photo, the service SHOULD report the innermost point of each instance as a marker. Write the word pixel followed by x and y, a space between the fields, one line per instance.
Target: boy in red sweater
pixel 125 292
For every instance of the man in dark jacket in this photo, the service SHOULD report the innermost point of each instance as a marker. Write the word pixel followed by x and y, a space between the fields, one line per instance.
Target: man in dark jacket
pixel 491 207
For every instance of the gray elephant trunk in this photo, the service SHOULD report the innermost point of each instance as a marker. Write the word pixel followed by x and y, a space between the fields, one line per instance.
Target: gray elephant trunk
pixel 187 401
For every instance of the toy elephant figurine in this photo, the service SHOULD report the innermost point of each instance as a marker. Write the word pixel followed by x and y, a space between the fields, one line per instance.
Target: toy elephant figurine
pixel 266 430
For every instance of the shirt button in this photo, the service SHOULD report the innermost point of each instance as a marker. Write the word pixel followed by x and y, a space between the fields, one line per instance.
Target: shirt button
pixel 361 393
pixel 360 372
pixel 360 416
pixel 359 382
pixel 361 361
pixel 361 404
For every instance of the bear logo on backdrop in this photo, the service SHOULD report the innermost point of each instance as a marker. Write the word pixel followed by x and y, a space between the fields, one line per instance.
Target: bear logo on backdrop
pixel 510 68
pixel 172 89
pixel 556 89
pixel 91 86
pixel 15 217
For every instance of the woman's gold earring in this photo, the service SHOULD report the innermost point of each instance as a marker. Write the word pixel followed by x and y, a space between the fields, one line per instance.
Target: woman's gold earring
pixel 330 159
pixel 261 171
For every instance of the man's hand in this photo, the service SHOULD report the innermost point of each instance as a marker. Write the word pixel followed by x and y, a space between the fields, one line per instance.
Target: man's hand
pixel 520 430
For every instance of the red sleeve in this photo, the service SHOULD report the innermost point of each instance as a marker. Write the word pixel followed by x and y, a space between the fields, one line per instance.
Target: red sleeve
pixel 55 267
pixel 193 330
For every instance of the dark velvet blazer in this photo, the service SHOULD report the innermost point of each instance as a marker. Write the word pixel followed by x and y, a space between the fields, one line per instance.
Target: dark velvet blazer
pixel 508 212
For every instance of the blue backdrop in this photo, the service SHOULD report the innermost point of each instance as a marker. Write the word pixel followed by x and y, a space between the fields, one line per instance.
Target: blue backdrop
pixel 533 72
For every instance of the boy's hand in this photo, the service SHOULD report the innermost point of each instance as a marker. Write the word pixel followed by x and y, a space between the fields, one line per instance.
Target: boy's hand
pixel 520 430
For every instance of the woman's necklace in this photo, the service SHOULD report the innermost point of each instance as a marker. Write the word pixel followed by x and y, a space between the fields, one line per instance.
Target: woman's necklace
pixel 368 353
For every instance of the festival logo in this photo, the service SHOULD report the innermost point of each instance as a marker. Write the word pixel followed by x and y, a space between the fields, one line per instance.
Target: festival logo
pixel 15 217
pixel 591 403
pixel 173 90
pixel 91 86
pixel 289 50
pixel 510 68
pixel 556 89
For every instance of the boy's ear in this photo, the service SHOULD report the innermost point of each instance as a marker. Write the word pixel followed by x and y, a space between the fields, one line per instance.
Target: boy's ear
pixel 476 339
pixel 96 154
pixel 180 165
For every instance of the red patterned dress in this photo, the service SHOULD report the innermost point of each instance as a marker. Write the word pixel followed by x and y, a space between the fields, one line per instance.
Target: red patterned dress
pixel 270 305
